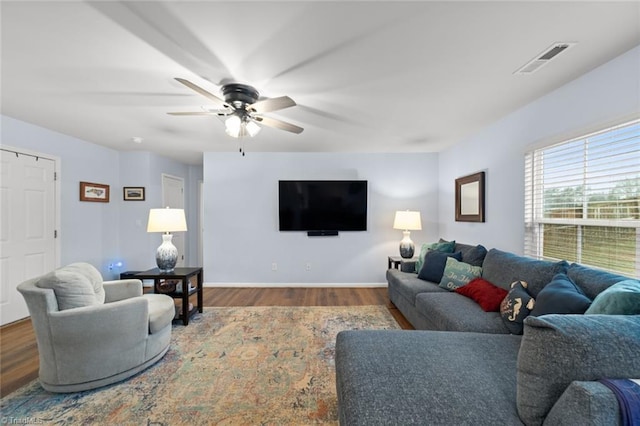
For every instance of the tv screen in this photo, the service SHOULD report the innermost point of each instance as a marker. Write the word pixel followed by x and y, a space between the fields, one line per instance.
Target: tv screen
pixel 323 205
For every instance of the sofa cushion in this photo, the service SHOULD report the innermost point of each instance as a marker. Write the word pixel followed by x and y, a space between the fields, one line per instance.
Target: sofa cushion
pixel 434 264
pixel 592 281
pixel 457 274
pixel 503 268
pixel 622 298
pixel 443 246
pixel 485 294
pixel 561 296
pixel 559 349
pixel 72 289
pixel 584 403
pixel 161 311
pixel 516 306
pixel 450 311
pixel 425 377
pixel 408 285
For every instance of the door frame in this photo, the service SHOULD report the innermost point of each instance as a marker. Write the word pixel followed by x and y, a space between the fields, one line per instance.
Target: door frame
pixel 164 204
pixel 56 196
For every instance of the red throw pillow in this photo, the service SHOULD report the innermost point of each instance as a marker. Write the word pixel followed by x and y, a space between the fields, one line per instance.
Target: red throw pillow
pixel 485 294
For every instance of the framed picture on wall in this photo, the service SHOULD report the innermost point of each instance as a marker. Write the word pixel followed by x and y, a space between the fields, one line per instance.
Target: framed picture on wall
pixel 95 192
pixel 133 193
pixel 470 198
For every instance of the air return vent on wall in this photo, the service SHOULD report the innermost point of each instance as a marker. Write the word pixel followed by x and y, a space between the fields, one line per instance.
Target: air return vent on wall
pixel 544 58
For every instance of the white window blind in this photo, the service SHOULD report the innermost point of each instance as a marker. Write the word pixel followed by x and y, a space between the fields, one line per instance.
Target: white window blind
pixel 582 200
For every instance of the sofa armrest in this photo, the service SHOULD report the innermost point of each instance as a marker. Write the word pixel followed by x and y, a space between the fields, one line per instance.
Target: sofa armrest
pixel 559 349
pixel 585 403
pixel 121 289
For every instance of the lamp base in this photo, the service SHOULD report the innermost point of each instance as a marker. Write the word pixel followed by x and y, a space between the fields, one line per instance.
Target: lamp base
pixel 167 254
pixel 407 248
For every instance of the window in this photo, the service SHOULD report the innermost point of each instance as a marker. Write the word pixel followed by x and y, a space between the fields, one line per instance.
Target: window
pixel 582 200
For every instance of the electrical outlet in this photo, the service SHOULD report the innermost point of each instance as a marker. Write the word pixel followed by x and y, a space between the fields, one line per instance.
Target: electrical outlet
pixel 274 266
pixel 308 266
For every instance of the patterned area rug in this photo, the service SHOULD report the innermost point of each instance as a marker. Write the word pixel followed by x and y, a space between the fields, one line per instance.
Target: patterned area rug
pixel 229 366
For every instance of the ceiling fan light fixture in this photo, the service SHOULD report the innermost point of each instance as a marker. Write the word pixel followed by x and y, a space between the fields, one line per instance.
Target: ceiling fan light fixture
pixel 233 126
pixel 252 128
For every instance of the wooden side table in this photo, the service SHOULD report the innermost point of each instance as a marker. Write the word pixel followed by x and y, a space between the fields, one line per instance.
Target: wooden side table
pixel 184 292
pixel 397 261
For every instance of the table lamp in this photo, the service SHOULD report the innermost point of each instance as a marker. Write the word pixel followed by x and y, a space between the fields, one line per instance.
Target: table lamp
pixel 407 221
pixel 166 220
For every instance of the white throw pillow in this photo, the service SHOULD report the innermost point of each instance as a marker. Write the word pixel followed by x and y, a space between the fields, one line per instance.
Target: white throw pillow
pixel 72 289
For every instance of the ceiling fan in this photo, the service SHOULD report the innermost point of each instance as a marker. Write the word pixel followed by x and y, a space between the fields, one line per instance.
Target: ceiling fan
pixel 243 108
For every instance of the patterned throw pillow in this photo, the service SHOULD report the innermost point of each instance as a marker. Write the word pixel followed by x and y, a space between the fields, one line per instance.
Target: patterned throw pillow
pixel 456 274
pixel 441 246
pixel 516 307
pixel 485 294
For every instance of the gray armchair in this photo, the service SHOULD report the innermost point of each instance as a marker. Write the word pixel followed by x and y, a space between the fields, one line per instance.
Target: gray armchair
pixel 92 333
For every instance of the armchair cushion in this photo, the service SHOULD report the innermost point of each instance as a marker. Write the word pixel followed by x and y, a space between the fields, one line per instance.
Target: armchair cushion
pixel 72 289
pixel 92 274
pixel 161 311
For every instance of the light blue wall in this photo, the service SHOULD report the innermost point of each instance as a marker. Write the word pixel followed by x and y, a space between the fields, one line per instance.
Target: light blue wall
pixel 104 233
pixel 241 236
pixel 600 97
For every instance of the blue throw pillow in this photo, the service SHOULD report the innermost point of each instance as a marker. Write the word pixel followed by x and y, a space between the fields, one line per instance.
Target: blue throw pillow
pixel 434 263
pixel 622 298
pixel 561 296
pixel 475 256
pixel 442 246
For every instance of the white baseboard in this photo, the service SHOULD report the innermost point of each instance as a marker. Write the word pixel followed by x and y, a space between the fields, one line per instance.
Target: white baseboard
pixel 296 285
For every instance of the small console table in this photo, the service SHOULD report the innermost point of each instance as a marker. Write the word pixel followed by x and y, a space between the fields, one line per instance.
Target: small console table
pixel 184 292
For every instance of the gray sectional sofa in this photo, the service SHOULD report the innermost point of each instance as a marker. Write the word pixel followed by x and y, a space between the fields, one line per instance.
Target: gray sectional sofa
pixel 463 367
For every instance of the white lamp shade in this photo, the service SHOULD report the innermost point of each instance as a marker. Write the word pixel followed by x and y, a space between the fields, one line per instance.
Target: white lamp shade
pixel 166 220
pixel 407 220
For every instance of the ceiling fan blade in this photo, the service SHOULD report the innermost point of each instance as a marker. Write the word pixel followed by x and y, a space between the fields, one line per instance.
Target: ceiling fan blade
pixel 278 124
pixel 272 104
pixel 200 90
pixel 196 113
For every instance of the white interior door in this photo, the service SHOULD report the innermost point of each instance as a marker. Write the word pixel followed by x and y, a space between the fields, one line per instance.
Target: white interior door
pixel 173 196
pixel 27 226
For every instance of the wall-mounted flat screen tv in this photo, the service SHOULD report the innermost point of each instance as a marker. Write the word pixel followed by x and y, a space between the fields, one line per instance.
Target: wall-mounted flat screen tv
pixel 323 205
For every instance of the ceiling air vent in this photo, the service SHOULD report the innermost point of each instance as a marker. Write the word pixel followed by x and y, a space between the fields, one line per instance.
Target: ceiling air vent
pixel 542 59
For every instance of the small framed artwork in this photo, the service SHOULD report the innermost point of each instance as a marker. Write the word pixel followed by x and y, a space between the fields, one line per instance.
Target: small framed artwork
pixel 133 193
pixel 470 198
pixel 95 192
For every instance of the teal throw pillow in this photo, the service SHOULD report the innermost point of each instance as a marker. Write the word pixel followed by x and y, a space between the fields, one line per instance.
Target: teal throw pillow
pixel 441 246
pixel 457 274
pixel 622 298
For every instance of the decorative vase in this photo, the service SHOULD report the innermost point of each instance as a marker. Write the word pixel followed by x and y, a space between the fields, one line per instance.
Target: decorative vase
pixel 407 248
pixel 167 254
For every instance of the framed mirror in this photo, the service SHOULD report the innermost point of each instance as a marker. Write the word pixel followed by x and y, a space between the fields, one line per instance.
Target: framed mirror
pixel 470 198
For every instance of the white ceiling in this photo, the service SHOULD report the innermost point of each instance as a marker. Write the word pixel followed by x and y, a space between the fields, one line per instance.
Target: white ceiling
pixel 368 76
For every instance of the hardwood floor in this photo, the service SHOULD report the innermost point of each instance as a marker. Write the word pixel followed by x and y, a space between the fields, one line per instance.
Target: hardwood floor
pixel 19 352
